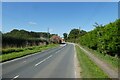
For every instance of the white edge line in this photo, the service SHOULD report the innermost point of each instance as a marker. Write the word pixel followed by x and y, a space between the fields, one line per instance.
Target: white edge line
pixel 74 61
pixel 24 57
pixel 20 58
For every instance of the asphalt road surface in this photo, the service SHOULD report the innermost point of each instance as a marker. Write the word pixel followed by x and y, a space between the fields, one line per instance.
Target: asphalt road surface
pixel 53 63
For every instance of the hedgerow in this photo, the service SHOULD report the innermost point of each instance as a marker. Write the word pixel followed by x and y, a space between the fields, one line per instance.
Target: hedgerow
pixel 105 39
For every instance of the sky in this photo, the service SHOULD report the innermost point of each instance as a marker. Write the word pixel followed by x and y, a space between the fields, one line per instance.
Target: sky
pixel 59 17
pixel 60 0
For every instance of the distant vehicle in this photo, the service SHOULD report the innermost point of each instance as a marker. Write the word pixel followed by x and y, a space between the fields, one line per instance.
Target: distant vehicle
pixel 63 44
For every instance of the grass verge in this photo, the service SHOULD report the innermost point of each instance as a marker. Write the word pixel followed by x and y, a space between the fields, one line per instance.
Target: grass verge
pixel 24 52
pixel 89 68
pixel 110 60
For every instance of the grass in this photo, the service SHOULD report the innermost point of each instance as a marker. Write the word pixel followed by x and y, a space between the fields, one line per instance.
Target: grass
pixel 112 61
pixel 23 52
pixel 9 50
pixel 88 67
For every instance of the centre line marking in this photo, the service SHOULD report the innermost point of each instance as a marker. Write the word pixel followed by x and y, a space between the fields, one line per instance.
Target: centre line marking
pixel 15 77
pixel 58 51
pixel 24 61
pixel 43 60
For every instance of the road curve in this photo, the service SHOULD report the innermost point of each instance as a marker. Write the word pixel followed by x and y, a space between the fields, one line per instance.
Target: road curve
pixel 53 63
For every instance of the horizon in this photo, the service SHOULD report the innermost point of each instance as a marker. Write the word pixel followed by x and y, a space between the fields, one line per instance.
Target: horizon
pixel 59 17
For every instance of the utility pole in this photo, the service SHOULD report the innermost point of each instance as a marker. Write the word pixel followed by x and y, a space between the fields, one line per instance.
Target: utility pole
pixel 79 30
pixel 48 35
pixel 79 33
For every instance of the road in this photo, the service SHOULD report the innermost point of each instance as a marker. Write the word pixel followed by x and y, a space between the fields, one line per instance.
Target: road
pixel 53 63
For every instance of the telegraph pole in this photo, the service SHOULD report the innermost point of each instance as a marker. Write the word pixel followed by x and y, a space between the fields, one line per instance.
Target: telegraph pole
pixel 79 33
pixel 79 30
pixel 48 35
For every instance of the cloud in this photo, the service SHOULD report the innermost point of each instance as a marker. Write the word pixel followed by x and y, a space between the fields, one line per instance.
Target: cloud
pixel 32 23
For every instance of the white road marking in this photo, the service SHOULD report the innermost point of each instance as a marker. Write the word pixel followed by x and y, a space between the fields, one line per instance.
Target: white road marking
pixel 58 51
pixel 24 61
pixel 24 57
pixel 75 74
pixel 15 77
pixel 43 60
pixel 75 61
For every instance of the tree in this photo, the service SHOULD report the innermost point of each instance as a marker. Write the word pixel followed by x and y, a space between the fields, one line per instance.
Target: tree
pixel 74 33
pixel 65 35
pixel 82 32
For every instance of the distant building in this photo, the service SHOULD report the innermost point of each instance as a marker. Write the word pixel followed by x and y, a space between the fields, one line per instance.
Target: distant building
pixel 56 39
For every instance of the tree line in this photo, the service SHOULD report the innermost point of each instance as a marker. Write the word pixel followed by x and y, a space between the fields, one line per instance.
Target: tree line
pixel 104 38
